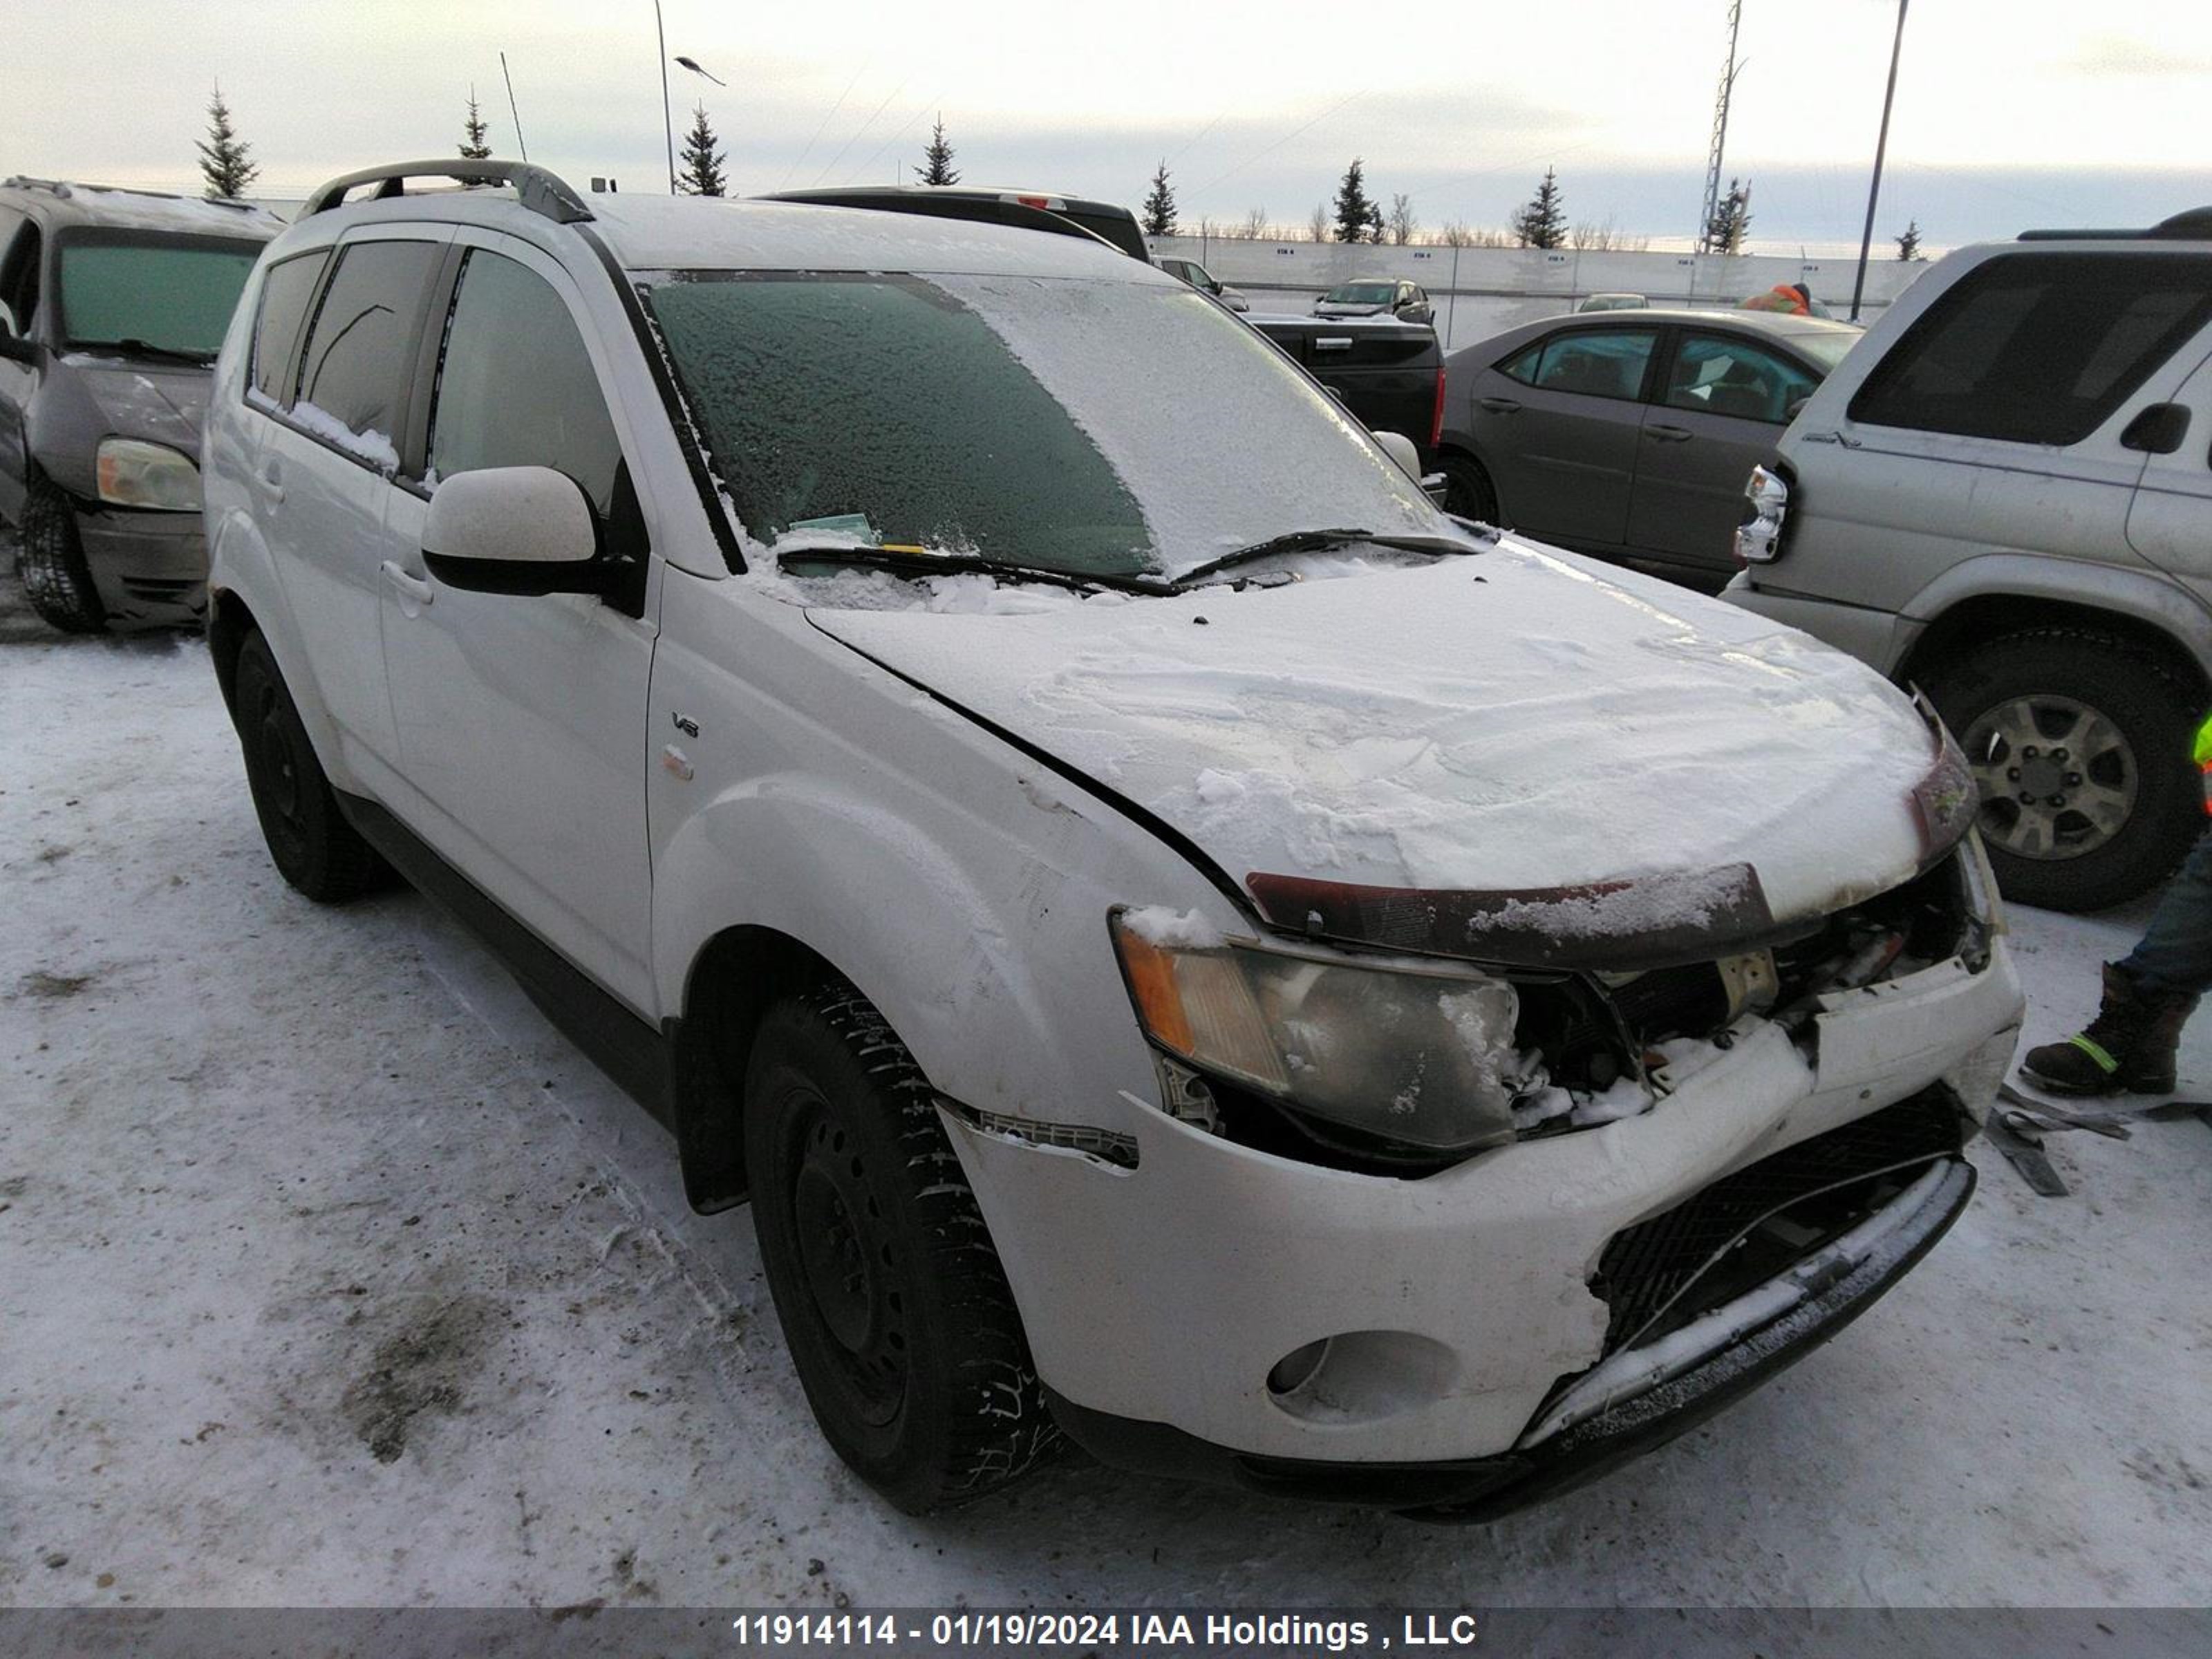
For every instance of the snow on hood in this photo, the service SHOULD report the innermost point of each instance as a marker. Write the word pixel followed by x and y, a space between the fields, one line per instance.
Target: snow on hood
pixel 160 404
pixel 1509 722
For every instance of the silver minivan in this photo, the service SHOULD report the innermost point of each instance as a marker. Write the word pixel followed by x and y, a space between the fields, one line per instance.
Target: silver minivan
pixel 2005 494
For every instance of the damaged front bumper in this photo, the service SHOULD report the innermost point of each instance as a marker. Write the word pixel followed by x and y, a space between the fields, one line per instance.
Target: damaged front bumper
pixel 1466 1341
pixel 1633 1403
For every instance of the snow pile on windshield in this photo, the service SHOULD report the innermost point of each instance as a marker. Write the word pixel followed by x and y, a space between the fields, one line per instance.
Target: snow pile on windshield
pixel 374 448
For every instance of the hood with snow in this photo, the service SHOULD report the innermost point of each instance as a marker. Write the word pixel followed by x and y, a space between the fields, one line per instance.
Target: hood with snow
pixel 1517 754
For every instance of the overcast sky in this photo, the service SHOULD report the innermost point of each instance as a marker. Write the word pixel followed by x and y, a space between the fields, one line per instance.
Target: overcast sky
pixel 2034 111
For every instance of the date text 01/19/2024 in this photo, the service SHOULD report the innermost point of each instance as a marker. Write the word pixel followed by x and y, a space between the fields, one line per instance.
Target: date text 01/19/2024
pixel 967 1628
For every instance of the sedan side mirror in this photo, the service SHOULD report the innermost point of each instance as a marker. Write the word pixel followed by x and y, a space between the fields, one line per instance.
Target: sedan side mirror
pixel 514 530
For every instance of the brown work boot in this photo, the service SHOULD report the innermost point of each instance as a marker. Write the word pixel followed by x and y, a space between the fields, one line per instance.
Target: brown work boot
pixel 2127 1049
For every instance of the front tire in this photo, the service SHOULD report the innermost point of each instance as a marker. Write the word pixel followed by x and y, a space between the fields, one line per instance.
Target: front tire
pixel 2081 747
pixel 50 561
pixel 890 1293
pixel 1468 492
pixel 313 846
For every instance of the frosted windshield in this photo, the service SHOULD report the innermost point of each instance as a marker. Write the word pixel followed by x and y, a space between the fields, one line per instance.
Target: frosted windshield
pixel 1091 426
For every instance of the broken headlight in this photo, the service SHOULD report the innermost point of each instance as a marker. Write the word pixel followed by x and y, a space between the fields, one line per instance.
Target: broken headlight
pixel 1406 1054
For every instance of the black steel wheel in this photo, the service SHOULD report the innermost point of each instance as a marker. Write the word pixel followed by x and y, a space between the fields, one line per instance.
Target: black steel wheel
pixel 311 844
pixel 1468 491
pixel 891 1297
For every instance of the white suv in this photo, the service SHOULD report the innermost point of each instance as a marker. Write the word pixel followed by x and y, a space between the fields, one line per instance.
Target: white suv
pixel 1179 940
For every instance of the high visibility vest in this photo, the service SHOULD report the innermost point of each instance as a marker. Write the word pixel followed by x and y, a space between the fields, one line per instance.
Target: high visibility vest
pixel 2203 754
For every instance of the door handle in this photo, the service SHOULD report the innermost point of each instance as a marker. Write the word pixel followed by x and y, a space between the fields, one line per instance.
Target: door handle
pixel 1668 434
pixel 408 583
pixel 1500 406
pixel 272 481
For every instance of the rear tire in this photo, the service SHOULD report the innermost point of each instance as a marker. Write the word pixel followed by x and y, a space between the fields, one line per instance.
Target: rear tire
pixel 1468 492
pixel 50 561
pixel 2098 735
pixel 313 846
pixel 890 1293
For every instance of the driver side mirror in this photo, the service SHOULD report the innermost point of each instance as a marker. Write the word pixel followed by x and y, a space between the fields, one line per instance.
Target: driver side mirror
pixel 514 530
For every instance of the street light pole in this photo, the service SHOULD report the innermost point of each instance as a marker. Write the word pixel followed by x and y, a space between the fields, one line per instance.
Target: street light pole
pixel 667 120
pixel 1880 146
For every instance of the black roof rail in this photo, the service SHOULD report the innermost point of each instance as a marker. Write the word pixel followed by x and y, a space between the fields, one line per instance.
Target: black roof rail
pixel 2192 226
pixel 918 200
pixel 60 187
pixel 542 192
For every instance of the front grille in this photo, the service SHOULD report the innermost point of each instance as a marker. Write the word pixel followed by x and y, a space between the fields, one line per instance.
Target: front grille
pixel 1654 1276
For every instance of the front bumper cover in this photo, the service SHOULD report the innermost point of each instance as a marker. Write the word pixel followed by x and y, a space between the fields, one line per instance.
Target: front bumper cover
pixel 150 568
pixel 1487 1488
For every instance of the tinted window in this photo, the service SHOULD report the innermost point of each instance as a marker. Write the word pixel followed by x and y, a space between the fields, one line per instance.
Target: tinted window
pixel 1717 374
pixel 172 294
pixel 515 387
pixel 285 292
pixel 357 360
pixel 1600 362
pixel 2038 348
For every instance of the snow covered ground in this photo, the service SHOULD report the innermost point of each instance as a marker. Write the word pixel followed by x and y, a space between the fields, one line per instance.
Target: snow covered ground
pixel 329 1274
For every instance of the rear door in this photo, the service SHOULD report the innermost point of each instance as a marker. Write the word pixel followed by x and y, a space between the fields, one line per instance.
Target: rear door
pixel 1558 424
pixel 522 718
pixel 324 471
pixel 20 255
pixel 1722 400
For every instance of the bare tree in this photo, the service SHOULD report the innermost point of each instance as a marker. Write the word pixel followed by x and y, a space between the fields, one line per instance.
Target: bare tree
pixel 1317 227
pixel 1255 224
pixel 1403 224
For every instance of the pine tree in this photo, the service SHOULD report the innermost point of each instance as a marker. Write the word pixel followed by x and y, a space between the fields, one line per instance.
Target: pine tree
pixel 1355 214
pixel 1543 220
pixel 937 167
pixel 1731 220
pixel 1160 206
pixel 223 161
pixel 702 171
pixel 473 133
pixel 1908 246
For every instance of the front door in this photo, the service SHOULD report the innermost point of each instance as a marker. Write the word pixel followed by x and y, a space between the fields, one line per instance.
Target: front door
pixel 521 718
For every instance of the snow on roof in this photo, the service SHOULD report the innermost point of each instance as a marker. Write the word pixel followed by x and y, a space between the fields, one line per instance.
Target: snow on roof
pixel 134 210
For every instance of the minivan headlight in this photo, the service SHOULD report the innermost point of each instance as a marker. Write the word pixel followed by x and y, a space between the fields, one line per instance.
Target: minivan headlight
pixel 1765 505
pixel 134 473
pixel 1423 1057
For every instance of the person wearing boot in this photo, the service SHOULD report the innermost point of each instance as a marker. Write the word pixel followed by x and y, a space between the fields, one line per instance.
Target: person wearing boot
pixel 2129 1047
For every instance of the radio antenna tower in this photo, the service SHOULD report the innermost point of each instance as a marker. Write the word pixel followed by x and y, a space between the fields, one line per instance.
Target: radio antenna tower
pixel 1703 244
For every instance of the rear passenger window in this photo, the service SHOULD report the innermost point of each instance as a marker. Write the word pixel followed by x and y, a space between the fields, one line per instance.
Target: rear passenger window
pixel 358 359
pixel 515 387
pixel 285 292
pixel 1602 363
pixel 2038 348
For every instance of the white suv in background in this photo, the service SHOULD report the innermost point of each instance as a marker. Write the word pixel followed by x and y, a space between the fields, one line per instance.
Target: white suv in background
pixel 1179 940
pixel 2005 494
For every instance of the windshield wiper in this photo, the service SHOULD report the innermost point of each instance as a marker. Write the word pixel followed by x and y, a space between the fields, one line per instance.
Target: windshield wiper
pixel 903 562
pixel 1319 541
pixel 138 347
